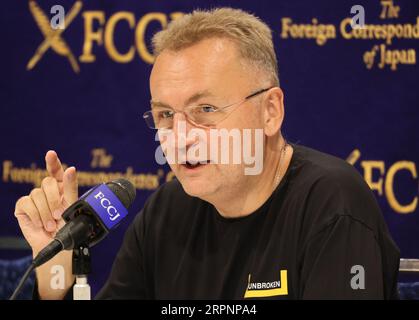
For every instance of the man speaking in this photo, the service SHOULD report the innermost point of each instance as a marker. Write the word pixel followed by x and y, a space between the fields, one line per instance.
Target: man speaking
pixel 303 225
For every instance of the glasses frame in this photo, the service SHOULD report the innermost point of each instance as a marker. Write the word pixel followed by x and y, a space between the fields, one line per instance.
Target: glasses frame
pixel 149 114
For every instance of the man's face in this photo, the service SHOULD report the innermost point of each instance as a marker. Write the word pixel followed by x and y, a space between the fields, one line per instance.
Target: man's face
pixel 211 67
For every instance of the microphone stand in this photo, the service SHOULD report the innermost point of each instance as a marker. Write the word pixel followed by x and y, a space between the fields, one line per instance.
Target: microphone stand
pixel 81 268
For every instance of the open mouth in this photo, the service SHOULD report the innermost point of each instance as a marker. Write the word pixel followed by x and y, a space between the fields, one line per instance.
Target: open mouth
pixel 195 165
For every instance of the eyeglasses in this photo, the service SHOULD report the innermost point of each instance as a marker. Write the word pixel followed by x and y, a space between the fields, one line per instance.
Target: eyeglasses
pixel 203 115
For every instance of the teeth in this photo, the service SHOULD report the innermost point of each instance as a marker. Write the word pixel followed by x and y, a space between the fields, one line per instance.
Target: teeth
pixel 199 162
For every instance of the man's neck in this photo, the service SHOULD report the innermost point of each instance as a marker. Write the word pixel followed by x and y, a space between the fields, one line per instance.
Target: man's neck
pixel 257 189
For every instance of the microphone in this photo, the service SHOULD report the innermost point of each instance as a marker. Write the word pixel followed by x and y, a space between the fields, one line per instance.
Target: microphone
pixel 90 218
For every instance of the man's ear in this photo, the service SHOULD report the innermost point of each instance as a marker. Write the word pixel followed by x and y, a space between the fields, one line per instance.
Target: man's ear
pixel 273 111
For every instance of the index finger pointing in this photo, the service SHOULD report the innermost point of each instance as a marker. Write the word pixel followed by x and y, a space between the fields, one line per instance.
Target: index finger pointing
pixel 54 167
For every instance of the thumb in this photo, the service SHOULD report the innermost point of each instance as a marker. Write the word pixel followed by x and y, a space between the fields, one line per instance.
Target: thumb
pixel 70 186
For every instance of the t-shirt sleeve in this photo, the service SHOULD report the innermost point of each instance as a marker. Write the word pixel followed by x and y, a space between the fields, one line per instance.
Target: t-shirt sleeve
pixel 344 261
pixel 126 280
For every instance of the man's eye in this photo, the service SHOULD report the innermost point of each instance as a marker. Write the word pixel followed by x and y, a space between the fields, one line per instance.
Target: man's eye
pixel 207 108
pixel 165 114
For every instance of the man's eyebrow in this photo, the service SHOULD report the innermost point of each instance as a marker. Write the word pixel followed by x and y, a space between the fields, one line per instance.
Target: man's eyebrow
pixel 155 104
pixel 195 97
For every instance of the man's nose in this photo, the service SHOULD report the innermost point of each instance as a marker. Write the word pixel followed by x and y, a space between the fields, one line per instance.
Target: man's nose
pixel 181 128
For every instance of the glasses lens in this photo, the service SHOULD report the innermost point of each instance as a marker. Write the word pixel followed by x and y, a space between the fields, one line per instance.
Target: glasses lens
pixel 205 115
pixel 148 118
pixel 159 119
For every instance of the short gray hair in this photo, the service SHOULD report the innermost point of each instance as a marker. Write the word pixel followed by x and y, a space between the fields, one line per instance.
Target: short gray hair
pixel 252 36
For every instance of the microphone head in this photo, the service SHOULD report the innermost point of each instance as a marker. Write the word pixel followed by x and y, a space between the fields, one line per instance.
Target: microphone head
pixel 124 190
pixel 100 210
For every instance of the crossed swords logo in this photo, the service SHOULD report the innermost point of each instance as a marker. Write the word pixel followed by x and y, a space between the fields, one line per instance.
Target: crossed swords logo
pixel 53 37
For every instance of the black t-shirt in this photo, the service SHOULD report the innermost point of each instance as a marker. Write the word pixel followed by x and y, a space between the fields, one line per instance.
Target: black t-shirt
pixel 320 235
